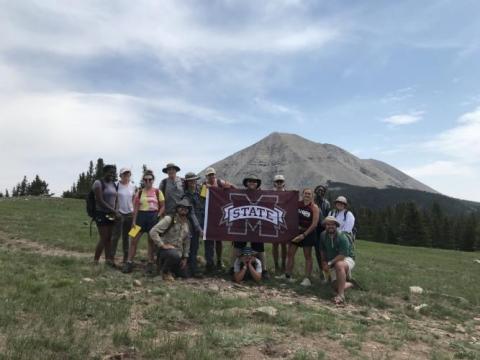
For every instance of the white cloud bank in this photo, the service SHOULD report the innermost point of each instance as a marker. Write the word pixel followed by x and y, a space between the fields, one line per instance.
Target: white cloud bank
pixel 458 174
pixel 404 119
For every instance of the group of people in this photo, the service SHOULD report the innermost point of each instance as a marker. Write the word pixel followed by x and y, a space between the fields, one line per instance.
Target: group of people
pixel 173 217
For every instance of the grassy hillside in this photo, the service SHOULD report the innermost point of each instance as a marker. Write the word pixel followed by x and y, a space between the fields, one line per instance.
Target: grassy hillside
pixel 55 304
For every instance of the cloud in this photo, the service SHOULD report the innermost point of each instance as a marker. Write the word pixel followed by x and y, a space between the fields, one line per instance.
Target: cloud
pixel 461 141
pixel 440 168
pixel 167 28
pixel 404 119
pixel 399 95
pixel 277 109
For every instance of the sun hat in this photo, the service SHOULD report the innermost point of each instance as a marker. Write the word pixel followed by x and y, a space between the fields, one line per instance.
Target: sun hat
pixel 170 165
pixel 331 219
pixel 252 178
pixel 191 176
pixel 124 170
pixel 341 199
pixel 210 171
pixel 278 177
pixel 246 251
pixel 183 203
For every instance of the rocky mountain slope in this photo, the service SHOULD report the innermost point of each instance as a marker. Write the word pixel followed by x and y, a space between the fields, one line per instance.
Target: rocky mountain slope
pixel 307 163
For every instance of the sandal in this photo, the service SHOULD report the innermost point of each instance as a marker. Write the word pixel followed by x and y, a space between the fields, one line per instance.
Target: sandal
pixel 339 300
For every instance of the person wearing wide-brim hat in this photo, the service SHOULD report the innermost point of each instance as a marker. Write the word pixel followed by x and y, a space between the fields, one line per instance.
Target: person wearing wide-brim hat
pixel 214 247
pixel 172 237
pixel 250 180
pixel 196 220
pixel 172 187
pixel 252 183
pixel 279 249
pixel 345 218
pixel 247 266
pixel 170 166
pixel 337 258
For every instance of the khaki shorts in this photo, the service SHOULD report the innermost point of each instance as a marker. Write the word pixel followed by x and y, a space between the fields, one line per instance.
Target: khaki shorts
pixel 351 264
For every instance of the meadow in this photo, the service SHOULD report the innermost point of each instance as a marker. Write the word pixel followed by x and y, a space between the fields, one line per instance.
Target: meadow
pixel 55 304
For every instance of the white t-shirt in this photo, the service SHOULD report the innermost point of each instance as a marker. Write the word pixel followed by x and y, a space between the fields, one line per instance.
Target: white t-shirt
pixel 238 263
pixel 347 222
pixel 125 196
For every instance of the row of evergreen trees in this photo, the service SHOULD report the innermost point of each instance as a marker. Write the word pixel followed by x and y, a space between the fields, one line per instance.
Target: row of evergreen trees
pixel 407 224
pixel 36 187
pixel 82 186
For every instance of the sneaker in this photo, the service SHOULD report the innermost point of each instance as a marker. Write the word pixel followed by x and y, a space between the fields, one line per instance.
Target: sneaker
pixel 149 269
pixel 265 275
pixel 110 263
pixel 168 277
pixel 127 267
pixel 306 282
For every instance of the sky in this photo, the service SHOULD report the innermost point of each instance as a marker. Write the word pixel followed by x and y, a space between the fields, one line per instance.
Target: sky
pixel 151 82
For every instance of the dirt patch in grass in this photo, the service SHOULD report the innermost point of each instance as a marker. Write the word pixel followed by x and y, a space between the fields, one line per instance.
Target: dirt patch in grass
pixel 10 241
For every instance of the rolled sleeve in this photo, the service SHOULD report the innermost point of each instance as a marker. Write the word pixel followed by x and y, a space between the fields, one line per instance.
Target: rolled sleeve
pixel 156 232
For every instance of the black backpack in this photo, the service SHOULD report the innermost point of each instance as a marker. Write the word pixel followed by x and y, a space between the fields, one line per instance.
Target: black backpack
pixel 91 205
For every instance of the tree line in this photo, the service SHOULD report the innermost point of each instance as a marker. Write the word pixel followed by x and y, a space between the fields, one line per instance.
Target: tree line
pixel 408 224
pixel 82 186
pixel 36 187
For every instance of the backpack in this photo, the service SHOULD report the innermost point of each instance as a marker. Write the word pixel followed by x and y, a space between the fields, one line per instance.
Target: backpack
pixel 91 205
pixel 163 185
pixel 353 235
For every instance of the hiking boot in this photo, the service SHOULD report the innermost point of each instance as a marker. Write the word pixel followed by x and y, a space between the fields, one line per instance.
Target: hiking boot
pixel 149 269
pixel 168 277
pixel 265 275
pixel 127 267
pixel 220 266
pixel 209 268
pixel 110 263
pixel 306 282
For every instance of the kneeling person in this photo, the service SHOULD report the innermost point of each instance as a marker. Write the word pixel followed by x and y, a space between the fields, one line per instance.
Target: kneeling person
pixel 172 237
pixel 337 258
pixel 247 266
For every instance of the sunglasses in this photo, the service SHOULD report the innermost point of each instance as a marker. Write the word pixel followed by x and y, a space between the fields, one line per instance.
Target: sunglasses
pixel 147 179
pixel 279 182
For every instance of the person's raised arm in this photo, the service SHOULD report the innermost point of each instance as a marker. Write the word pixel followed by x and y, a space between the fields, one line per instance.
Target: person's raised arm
pixel 256 275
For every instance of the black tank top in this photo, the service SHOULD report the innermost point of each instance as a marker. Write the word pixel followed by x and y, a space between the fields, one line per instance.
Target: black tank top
pixel 305 215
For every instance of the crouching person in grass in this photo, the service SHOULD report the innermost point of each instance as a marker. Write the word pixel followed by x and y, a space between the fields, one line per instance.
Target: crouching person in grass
pixel 172 237
pixel 337 258
pixel 247 266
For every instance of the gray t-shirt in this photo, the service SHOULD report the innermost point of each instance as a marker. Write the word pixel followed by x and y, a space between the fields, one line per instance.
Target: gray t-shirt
pixel 109 194
pixel 173 193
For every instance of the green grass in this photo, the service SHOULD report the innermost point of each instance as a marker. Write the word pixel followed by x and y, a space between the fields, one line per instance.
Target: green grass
pixel 47 311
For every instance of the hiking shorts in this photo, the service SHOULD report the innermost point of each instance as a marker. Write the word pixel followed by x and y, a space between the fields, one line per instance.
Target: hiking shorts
pixel 103 218
pixel 309 241
pixel 256 246
pixel 146 220
pixel 351 264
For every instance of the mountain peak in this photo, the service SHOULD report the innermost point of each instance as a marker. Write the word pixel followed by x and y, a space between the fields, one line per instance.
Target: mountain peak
pixel 306 163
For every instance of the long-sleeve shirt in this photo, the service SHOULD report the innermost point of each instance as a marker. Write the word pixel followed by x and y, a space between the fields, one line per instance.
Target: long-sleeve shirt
pixel 197 214
pixel 346 220
pixel 177 235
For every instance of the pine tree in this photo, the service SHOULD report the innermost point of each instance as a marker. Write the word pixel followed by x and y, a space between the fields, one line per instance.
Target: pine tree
pixel 99 169
pixel 23 190
pixel 470 233
pixel 1 194
pixel 38 187
pixel 7 195
pixel 436 228
pixel 412 231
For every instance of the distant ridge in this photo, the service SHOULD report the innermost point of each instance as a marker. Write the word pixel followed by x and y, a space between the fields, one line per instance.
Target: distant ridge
pixel 307 163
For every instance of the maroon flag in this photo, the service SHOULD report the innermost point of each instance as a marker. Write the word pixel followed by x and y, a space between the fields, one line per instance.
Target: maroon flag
pixel 251 215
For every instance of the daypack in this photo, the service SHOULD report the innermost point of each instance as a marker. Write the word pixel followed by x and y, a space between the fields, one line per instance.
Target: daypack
pixel 91 205
pixel 353 235
pixel 163 185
